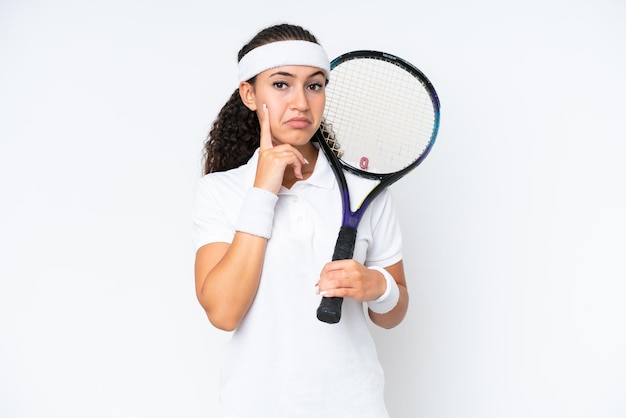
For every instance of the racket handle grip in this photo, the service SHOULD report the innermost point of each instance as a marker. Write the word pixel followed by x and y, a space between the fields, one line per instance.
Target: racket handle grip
pixel 329 310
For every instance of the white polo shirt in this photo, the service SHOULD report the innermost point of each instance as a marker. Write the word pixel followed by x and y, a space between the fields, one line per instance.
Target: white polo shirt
pixel 282 361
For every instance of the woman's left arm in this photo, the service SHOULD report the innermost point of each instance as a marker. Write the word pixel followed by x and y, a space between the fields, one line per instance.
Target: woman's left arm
pixel 396 315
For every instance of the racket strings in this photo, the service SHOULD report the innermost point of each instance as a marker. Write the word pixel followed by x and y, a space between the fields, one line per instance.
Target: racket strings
pixel 379 117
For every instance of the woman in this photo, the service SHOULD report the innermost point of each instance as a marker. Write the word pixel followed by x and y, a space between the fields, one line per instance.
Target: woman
pixel 266 219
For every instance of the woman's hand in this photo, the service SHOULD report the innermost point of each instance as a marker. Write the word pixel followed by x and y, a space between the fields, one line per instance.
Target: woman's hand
pixel 274 160
pixel 351 279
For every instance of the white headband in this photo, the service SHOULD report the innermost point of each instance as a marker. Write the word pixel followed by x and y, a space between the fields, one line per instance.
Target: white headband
pixel 281 53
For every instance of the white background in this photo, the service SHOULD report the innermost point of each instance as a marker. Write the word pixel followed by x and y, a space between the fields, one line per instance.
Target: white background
pixel 514 224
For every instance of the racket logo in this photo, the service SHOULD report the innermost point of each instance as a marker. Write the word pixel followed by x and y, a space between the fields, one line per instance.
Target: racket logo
pixel 364 163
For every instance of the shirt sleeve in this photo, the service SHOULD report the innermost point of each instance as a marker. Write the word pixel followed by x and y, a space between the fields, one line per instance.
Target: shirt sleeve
pixel 210 220
pixel 386 246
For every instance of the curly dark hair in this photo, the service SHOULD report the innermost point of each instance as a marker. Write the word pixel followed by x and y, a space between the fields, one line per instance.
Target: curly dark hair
pixel 235 133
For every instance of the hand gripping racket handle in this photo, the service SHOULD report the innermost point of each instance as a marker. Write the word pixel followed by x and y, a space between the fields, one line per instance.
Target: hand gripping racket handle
pixel 329 310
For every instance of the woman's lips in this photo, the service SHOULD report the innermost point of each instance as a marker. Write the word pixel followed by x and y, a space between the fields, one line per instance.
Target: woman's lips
pixel 298 122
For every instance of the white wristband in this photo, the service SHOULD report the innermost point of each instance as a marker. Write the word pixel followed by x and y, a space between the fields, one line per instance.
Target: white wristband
pixel 256 216
pixel 388 300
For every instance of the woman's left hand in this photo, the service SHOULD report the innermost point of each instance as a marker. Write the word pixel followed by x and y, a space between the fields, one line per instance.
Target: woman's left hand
pixel 351 279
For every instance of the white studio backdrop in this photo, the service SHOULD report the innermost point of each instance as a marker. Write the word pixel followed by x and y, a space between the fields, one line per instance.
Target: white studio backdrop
pixel 514 225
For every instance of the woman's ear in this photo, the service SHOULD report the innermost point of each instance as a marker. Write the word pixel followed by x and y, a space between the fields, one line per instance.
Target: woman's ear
pixel 246 92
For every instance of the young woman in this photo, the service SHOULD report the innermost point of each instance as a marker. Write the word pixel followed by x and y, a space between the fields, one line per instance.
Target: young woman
pixel 266 219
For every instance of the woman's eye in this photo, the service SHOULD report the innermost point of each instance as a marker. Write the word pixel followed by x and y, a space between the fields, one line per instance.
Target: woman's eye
pixel 280 84
pixel 315 86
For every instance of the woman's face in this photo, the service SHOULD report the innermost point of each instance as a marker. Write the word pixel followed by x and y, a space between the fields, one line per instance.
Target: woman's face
pixel 295 97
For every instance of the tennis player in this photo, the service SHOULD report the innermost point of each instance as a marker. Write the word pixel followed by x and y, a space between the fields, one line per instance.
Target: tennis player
pixel 265 221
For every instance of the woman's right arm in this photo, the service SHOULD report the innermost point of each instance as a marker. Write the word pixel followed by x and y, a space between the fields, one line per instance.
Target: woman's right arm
pixel 227 277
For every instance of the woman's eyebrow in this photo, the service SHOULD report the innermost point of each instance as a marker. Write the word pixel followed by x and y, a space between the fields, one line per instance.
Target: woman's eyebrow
pixel 282 73
pixel 288 74
pixel 319 72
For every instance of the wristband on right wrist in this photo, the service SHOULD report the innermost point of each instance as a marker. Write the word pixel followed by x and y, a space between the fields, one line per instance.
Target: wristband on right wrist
pixel 256 216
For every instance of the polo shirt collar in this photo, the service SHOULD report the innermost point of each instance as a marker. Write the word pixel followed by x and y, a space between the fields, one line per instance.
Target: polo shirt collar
pixel 322 175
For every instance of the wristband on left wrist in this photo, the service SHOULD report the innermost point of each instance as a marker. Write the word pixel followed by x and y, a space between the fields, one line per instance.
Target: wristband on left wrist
pixel 389 299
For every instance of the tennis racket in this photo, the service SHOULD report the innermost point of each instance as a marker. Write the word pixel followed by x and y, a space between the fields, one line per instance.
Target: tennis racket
pixel 380 122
